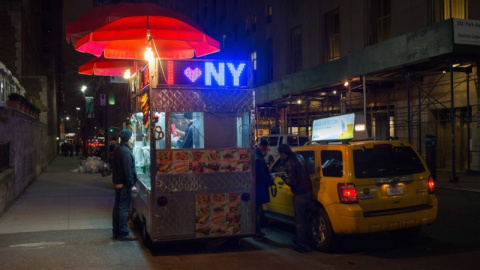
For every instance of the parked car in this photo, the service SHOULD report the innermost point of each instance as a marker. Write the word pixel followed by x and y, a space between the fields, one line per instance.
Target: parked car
pixel 276 140
pixel 359 187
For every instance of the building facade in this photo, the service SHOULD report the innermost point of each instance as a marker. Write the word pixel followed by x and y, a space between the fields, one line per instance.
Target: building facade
pixel 29 67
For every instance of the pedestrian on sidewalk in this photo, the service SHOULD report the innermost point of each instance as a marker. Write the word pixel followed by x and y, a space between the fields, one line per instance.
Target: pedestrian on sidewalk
pixel 124 179
pixel 262 181
pixel 296 176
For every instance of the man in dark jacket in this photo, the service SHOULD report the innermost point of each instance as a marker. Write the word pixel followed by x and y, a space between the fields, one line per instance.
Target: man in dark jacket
pixel 298 179
pixel 262 181
pixel 124 179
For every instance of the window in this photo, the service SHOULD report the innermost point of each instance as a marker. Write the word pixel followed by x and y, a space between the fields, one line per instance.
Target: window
pixel 270 59
pixel 309 157
pixel 332 163
pixel 210 130
pixel 439 10
pixel 455 9
pixel 187 130
pixel 292 140
pixel 269 14
pixel 386 161
pixel 296 39
pixel 332 35
pixel 303 140
pixel 272 140
pixel 379 20
pixel 253 59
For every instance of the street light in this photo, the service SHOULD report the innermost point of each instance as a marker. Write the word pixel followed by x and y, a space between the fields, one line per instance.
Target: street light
pixel 83 89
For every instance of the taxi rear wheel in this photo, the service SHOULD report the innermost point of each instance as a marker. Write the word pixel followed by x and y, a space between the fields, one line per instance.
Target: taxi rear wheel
pixel 322 235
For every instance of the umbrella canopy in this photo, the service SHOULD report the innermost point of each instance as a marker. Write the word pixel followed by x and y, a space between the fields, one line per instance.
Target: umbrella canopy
pixel 102 15
pixel 128 38
pixel 108 67
pixel 124 30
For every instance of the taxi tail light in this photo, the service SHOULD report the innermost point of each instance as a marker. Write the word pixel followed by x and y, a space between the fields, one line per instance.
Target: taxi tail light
pixel 431 185
pixel 347 193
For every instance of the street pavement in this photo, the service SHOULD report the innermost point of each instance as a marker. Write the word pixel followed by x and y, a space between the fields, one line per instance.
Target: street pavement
pixel 70 213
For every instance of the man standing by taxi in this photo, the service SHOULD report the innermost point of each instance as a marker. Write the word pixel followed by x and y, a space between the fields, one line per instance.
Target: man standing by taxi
pixel 262 182
pixel 124 179
pixel 297 178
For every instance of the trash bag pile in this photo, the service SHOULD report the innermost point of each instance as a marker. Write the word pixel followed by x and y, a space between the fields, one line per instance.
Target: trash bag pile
pixel 90 165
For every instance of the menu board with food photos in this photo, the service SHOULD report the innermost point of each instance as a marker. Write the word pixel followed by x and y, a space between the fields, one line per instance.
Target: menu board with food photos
pixel 217 214
pixel 203 161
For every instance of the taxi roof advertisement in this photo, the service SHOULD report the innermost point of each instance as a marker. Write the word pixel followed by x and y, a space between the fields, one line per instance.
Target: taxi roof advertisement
pixel 333 128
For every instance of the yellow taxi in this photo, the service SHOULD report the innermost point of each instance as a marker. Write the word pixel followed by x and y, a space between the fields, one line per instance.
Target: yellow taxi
pixel 359 185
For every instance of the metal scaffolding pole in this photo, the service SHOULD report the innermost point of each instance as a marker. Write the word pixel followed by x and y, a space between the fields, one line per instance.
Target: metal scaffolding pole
pixel 289 128
pixel 419 119
pixel 364 99
pixel 408 110
pixel 469 120
pixel 388 113
pixel 452 122
pixel 277 128
pixel 307 117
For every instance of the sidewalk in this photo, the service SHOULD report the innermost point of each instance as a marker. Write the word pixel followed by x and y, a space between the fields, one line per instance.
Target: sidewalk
pixel 62 200
pixel 466 181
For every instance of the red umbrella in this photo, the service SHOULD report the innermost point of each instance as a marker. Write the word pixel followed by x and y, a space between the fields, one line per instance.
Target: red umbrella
pixel 108 67
pixel 170 36
pixel 102 15
pixel 127 38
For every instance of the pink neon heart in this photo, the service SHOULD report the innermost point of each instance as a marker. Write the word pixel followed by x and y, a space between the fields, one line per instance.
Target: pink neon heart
pixel 193 74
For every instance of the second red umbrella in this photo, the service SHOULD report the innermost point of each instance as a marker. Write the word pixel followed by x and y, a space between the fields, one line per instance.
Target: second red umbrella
pixel 109 67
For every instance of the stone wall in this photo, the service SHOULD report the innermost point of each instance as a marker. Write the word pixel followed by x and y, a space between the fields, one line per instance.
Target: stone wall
pixel 31 150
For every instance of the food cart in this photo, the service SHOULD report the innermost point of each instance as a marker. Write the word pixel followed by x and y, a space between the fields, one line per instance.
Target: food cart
pixel 207 190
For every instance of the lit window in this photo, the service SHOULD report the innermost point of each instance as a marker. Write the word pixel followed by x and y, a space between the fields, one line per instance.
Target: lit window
pixel 379 21
pixel 269 14
pixel 333 35
pixel 253 58
pixel 297 48
pixel 455 9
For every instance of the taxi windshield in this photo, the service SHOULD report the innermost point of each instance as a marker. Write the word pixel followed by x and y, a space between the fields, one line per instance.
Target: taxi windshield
pixel 386 161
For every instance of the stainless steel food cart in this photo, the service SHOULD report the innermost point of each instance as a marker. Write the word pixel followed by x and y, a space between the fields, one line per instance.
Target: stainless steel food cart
pixel 206 191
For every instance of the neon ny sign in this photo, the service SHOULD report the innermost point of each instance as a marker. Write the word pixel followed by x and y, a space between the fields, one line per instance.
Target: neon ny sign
pixel 203 73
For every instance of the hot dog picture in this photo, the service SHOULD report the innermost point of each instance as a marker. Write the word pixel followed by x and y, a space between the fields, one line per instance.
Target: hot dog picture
pixel 181 156
pixel 218 219
pixel 181 167
pixel 243 155
pixel 164 167
pixel 227 156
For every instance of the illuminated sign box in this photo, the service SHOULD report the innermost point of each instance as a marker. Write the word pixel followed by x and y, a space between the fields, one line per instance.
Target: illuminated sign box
pixel 341 127
pixel 204 73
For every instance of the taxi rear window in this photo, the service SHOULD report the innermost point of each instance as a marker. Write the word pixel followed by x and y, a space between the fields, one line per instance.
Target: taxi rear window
pixel 386 161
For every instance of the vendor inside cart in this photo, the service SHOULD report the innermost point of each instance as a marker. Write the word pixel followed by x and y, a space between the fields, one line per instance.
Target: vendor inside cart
pixel 187 135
